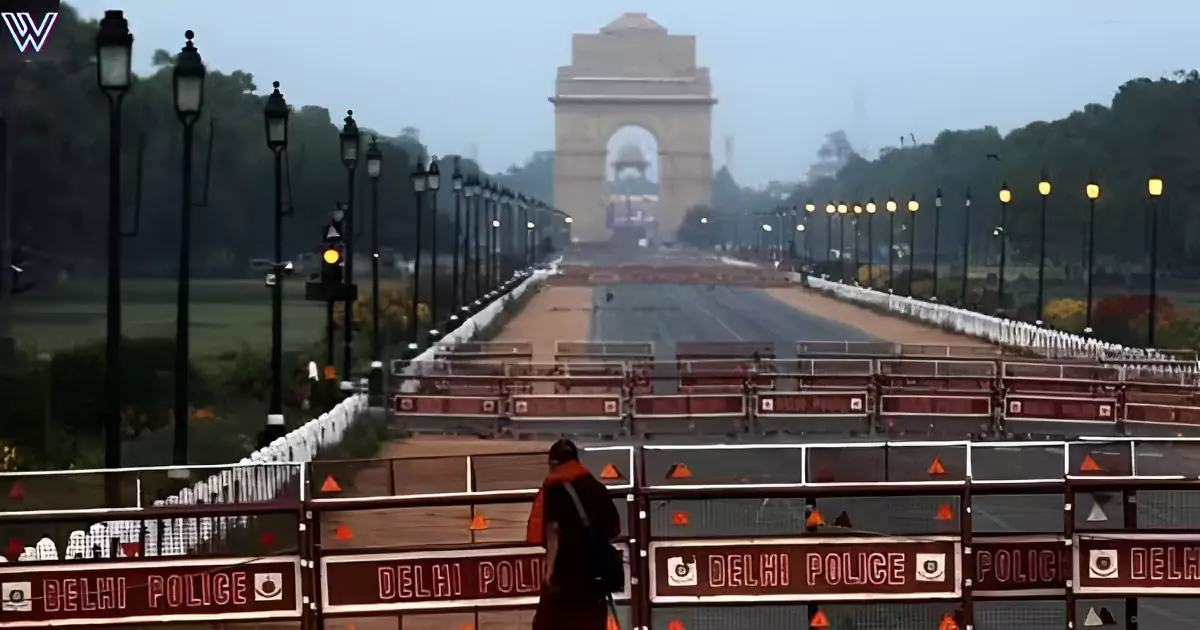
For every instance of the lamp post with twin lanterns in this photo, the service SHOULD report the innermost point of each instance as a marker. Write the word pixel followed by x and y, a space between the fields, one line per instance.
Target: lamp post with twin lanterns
pixel 114 57
pixel 188 82
pixel 891 208
pixel 349 140
pixel 1154 186
pixel 913 207
pixel 1005 199
pixel 1093 193
pixel 275 126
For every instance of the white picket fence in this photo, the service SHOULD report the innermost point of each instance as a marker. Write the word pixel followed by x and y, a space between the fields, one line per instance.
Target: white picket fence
pixel 1055 344
pixel 262 476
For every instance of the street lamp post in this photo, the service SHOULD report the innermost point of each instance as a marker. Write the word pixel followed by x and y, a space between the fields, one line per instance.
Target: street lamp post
pixel 871 209
pixel 1005 199
pixel 114 56
pixel 470 245
pixel 1093 193
pixel 937 223
pixel 433 183
pixel 485 236
pixel 913 206
pixel 491 193
pixel 189 100
pixel 858 210
pixel 478 234
pixel 1044 191
pixel 807 249
pixel 891 208
pixel 456 182
pixel 966 247
pixel 809 209
pixel 338 216
pixel 523 205
pixel 349 148
pixel 374 170
pixel 531 243
pixel 275 124
pixel 1154 186
pixel 830 210
pixel 842 209
pixel 414 312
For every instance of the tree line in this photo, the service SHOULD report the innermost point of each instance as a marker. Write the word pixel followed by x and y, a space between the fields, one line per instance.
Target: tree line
pixel 1149 129
pixel 59 143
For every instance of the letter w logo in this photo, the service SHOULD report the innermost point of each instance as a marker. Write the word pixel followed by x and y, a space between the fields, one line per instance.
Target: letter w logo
pixel 27 32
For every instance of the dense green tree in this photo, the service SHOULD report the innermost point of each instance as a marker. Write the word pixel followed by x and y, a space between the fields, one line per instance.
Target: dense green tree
pixel 1148 129
pixel 59 141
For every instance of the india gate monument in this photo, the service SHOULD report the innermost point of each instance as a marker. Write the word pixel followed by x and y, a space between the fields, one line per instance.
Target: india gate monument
pixel 631 73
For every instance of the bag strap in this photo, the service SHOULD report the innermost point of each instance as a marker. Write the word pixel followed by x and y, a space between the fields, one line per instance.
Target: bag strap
pixel 570 488
pixel 608 597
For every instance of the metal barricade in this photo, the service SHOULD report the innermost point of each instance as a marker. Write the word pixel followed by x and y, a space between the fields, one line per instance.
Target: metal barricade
pixel 806 412
pixel 420 413
pixel 1065 379
pixel 588 414
pixel 1060 415
pixel 689 414
pixel 968 376
pixel 854 534
pixel 445 544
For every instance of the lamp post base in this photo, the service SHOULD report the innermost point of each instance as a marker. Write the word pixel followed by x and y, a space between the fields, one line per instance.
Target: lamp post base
pixel 375 397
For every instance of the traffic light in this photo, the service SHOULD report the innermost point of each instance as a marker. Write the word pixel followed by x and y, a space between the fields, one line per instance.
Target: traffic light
pixel 19 278
pixel 331 265
pixel 330 284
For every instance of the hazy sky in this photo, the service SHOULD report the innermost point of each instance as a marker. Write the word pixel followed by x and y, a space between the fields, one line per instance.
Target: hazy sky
pixel 474 76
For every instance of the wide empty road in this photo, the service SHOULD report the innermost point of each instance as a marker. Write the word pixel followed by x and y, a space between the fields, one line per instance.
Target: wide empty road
pixel 665 313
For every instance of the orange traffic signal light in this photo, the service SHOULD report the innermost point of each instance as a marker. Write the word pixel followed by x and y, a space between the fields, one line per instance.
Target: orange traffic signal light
pixel 332 256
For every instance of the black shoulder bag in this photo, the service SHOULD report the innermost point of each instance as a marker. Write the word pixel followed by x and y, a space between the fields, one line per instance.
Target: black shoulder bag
pixel 607 562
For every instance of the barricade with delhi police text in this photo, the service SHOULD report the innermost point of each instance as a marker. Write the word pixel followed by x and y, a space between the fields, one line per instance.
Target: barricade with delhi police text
pixel 828 535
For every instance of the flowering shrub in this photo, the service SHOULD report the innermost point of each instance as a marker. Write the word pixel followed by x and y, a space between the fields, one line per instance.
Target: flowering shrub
pixel 1130 307
pixel 1066 314
pixel 1124 319
pixel 9 460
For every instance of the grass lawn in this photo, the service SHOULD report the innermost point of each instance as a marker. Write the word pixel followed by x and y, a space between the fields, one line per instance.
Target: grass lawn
pixel 225 314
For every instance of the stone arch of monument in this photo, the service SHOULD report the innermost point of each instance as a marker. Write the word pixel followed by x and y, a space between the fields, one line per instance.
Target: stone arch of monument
pixel 632 73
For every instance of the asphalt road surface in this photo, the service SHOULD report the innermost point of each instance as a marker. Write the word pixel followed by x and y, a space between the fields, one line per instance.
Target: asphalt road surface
pixel 666 314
